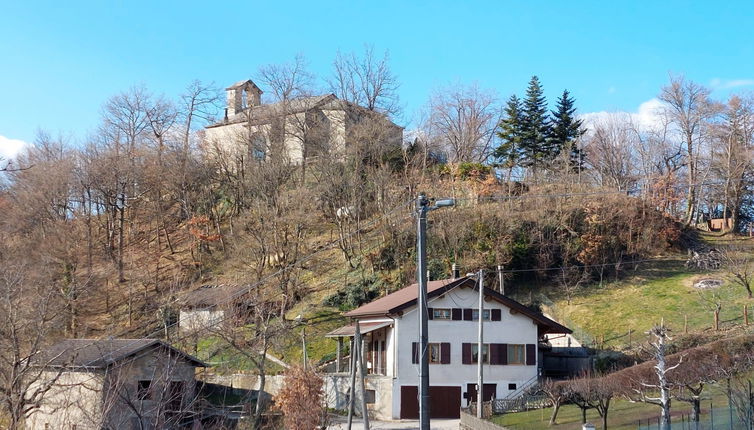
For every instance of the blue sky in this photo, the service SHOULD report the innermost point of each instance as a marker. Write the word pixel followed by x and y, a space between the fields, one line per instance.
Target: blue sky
pixel 60 61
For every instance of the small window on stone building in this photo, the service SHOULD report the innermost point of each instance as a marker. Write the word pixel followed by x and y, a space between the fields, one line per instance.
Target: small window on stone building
pixel 143 390
pixel 512 387
pixel 370 396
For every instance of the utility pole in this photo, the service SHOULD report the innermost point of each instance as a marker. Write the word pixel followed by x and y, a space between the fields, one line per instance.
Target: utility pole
pixel 480 348
pixel 422 208
pixel 500 269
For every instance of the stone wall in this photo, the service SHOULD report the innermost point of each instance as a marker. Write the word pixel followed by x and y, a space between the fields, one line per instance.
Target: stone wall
pixel 470 422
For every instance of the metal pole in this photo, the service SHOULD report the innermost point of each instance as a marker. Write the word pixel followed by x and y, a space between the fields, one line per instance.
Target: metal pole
pixel 352 392
pixel 422 207
pixel 502 280
pixel 480 348
pixel 362 374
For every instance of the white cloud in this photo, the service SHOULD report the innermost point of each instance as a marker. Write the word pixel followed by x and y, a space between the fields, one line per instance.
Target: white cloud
pixel 725 84
pixel 647 116
pixel 10 148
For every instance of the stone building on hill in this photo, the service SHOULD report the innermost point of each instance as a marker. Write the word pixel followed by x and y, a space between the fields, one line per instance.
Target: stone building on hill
pixel 300 129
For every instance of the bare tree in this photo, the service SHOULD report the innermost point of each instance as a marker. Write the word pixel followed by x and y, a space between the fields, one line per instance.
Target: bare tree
pixel 463 119
pixel 29 313
pixel 689 109
pixel 740 267
pixel 660 382
pixel 367 81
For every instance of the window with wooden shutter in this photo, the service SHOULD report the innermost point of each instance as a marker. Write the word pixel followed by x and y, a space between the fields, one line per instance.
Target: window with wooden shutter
pixel 531 354
pixel 495 353
pixel 456 314
pixel 466 353
pixel 467 314
pixel 445 353
pixel 503 353
pixel 496 315
pixel 414 352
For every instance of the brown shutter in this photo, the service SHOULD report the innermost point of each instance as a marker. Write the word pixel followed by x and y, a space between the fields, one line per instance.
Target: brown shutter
pixel 456 314
pixel 414 352
pixel 466 353
pixel 431 313
pixel 494 353
pixel 531 354
pixel 503 353
pixel 467 314
pixel 444 353
pixel 496 315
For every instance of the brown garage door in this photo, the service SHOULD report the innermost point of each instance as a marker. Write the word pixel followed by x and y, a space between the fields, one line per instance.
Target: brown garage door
pixel 444 402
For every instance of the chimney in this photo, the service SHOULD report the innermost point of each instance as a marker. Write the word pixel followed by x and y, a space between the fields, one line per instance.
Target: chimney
pixel 456 271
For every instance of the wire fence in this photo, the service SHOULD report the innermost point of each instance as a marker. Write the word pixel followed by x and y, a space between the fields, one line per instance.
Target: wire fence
pixel 716 418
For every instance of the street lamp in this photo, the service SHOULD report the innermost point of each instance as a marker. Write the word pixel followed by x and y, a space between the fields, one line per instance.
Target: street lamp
pixel 423 206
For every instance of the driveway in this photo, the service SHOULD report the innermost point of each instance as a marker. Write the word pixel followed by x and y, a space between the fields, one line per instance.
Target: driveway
pixel 339 423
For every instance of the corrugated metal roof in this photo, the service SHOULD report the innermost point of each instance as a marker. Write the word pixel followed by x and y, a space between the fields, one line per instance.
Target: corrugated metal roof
pixel 99 353
pixel 365 327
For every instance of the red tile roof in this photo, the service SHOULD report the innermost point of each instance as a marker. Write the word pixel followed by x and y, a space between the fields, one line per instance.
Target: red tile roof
pixel 406 297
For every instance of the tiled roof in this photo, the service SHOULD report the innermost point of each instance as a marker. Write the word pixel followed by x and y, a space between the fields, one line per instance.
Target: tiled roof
pixel 264 113
pixel 402 297
pixel 406 297
pixel 100 353
pixel 365 327
pixel 213 295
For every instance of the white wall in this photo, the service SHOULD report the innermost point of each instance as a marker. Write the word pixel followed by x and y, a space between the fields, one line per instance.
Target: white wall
pixel 512 329
pixel 190 320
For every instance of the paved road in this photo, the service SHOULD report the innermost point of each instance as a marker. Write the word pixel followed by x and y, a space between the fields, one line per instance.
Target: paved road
pixel 339 423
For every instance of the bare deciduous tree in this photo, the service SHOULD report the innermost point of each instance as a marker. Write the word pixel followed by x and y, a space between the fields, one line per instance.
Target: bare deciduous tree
pixel 463 120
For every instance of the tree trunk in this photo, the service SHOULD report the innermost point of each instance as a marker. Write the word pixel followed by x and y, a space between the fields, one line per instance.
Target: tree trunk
pixel 554 416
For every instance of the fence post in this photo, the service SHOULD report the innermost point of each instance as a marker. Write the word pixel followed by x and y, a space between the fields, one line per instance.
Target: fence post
pixel 746 314
pixel 711 416
pixel 686 324
pixel 629 338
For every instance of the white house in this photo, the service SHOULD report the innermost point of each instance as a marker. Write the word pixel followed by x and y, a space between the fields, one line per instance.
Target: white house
pixel 390 325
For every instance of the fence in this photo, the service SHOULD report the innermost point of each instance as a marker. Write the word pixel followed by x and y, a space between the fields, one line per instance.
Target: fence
pixel 718 419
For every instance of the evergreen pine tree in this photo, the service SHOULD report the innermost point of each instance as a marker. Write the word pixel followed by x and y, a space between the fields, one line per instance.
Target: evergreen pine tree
pixel 566 130
pixel 535 143
pixel 510 133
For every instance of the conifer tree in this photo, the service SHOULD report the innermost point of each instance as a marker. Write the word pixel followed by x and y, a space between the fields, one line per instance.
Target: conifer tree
pixel 566 129
pixel 510 134
pixel 535 144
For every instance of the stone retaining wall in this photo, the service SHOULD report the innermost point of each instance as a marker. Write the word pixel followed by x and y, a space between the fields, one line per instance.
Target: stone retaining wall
pixel 470 422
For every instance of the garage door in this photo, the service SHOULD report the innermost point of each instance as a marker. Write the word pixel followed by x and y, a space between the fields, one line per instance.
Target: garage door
pixel 444 402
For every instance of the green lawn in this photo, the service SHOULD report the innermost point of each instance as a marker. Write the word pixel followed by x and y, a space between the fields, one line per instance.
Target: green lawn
pixel 623 415
pixel 660 289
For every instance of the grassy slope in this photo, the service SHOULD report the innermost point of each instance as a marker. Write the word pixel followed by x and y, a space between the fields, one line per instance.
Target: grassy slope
pixel 657 289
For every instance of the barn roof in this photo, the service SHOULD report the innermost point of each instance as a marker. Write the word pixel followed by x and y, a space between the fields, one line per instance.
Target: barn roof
pixel 100 353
